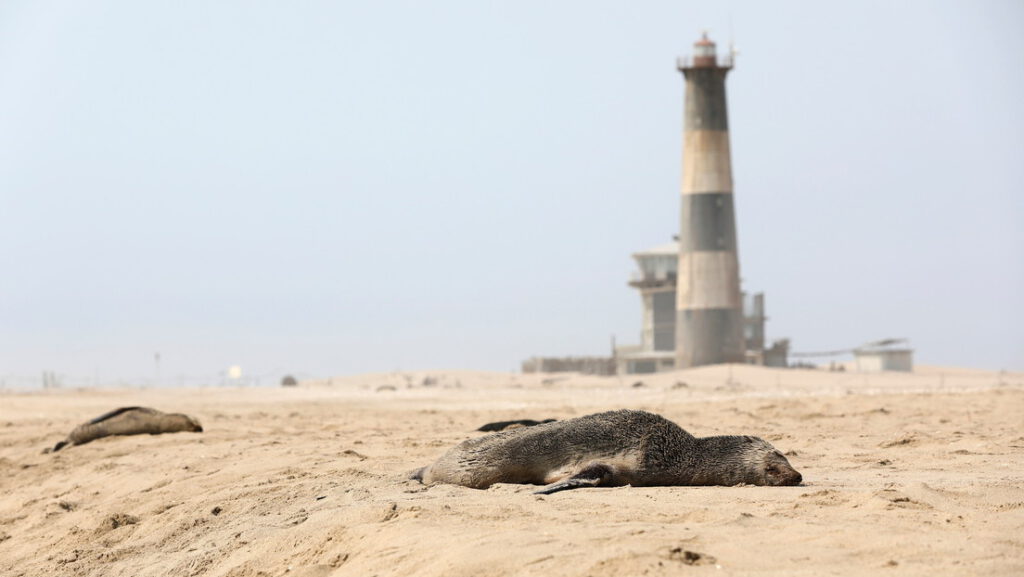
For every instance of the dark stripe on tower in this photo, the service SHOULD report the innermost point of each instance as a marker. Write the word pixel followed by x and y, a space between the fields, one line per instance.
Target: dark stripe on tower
pixel 705 99
pixel 709 222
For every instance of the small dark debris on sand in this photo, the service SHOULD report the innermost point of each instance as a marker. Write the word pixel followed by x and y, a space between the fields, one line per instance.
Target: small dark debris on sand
pixel 688 557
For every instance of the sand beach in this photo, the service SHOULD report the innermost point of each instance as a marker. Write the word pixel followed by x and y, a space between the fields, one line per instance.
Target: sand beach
pixel 904 474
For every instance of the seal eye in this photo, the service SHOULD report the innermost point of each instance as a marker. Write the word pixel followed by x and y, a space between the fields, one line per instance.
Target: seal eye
pixel 772 469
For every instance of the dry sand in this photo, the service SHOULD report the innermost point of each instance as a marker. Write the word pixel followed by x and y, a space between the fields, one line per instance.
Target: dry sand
pixel 905 474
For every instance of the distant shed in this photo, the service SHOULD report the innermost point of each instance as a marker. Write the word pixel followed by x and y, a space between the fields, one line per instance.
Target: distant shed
pixel 876 360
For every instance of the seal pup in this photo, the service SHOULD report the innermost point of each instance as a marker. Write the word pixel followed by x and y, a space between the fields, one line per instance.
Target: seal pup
pixel 129 421
pixel 609 449
pixel 502 425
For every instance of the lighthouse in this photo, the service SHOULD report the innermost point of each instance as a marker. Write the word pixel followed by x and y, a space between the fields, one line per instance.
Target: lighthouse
pixel 709 305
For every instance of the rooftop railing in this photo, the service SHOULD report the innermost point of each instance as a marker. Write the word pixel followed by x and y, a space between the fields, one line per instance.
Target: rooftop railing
pixel 725 61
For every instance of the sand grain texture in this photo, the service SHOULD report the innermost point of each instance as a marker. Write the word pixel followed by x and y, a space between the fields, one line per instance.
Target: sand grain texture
pixel 917 474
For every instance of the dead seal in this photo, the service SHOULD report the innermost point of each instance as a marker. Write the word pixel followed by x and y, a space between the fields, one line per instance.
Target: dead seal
pixel 610 449
pixel 129 421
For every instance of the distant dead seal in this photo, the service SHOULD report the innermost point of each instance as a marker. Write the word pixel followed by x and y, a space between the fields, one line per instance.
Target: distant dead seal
pixel 502 425
pixel 130 421
pixel 608 450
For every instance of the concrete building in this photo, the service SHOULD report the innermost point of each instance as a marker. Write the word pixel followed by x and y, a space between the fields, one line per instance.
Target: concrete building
pixel 656 279
pixel 585 365
pixel 889 355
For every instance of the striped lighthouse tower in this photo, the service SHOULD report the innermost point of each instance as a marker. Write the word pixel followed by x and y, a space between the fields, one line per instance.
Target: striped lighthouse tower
pixel 709 307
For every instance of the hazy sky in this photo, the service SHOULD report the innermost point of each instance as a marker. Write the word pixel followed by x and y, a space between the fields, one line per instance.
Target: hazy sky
pixel 335 187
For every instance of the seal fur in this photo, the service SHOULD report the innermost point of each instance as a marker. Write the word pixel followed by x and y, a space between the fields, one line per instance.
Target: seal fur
pixel 610 449
pixel 129 421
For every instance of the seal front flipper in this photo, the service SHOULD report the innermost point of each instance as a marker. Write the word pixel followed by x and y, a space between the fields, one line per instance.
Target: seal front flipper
pixel 594 475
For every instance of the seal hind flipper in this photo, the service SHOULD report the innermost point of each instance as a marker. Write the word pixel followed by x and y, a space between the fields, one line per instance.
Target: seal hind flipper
pixel 56 447
pixel 502 425
pixel 590 476
pixel 116 412
pixel 417 475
